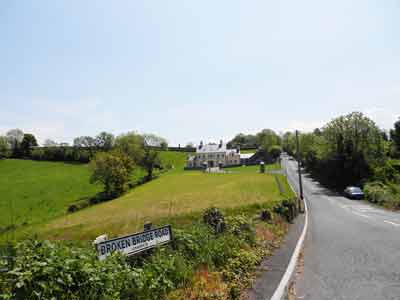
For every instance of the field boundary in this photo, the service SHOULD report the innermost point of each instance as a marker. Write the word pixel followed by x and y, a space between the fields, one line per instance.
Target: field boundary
pixel 282 290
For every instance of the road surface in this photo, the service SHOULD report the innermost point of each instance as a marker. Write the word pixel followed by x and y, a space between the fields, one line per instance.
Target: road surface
pixel 352 249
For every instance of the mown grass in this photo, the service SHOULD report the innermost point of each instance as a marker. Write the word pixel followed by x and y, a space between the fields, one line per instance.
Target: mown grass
pixel 255 168
pixel 35 192
pixel 176 193
pixel 248 151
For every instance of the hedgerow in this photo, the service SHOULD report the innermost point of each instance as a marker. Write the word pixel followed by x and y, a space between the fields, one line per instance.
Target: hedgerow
pixel 55 270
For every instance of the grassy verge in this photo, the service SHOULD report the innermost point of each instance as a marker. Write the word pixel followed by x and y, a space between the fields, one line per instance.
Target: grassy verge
pixel 201 263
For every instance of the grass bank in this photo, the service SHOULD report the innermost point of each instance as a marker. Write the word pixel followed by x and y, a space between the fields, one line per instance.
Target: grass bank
pixel 35 192
pixel 176 193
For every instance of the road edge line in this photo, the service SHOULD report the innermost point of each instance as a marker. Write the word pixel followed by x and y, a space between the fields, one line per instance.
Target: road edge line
pixel 282 289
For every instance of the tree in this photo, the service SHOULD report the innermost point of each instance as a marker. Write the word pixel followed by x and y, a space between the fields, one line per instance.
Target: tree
pixel 85 142
pixel 267 138
pixel 289 143
pixel 132 144
pixel 275 151
pixel 49 143
pixel 4 147
pixel 150 161
pixel 395 136
pixel 28 142
pixel 105 140
pixel 352 147
pixel 113 170
pixel 15 137
pixel 243 140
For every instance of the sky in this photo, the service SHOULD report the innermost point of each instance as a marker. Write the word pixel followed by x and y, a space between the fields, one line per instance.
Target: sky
pixel 195 70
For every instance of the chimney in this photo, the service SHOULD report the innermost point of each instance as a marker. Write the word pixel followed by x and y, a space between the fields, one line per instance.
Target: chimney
pixel 220 144
pixel 238 149
pixel 201 145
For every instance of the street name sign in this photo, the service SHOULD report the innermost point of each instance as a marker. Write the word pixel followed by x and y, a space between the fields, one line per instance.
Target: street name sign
pixel 135 243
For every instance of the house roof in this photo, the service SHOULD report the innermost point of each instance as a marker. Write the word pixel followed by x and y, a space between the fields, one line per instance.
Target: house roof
pixel 209 148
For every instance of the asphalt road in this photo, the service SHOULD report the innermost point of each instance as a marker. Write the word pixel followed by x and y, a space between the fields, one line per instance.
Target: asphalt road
pixel 352 249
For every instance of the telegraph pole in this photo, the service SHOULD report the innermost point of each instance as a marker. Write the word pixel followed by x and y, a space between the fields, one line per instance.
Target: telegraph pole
pixel 301 199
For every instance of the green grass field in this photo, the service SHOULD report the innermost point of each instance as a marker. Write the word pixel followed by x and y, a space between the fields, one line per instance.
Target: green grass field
pixel 35 192
pixel 248 151
pixel 176 193
pixel 255 168
pixel 40 193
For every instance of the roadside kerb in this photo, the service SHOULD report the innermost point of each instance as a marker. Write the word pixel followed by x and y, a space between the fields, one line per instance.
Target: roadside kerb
pixel 282 290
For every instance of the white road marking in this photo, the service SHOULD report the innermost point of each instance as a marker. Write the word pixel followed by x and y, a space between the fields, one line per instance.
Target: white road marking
pixel 361 215
pixel 392 223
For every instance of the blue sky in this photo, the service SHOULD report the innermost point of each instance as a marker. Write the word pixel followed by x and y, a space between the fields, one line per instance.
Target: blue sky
pixel 191 70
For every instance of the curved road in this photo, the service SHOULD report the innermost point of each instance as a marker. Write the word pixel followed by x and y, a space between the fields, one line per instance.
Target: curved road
pixel 352 249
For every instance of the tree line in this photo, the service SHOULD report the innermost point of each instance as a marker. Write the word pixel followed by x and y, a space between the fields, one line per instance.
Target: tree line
pixel 352 150
pixel 267 143
pixel 17 144
pixel 112 159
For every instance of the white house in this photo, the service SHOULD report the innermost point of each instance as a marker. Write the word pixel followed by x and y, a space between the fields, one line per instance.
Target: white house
pixel 214 155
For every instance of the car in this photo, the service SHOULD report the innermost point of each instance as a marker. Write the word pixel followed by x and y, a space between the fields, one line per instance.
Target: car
pixel 354 192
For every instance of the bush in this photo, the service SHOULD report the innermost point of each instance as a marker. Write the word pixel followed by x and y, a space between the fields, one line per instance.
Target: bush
pixel 214 218
pixel 383 194
pixel 44 270
pixel 67 154
pixel 50 270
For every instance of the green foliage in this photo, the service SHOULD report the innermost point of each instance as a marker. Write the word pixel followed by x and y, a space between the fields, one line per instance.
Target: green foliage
pixel 242 140
pixel 150 161
pixel 14 137
pixel 383 194
pixel 344 152
pixel 268 138
pixel 275 151
pixel 104 141
pixel 132 144
pixel 28 142
pixel 54 270
pixel 66 154
pixel 4 147
pixel 240 225
pixel 213 217
pixel 113 170
pixel 395 137
pixel 44 270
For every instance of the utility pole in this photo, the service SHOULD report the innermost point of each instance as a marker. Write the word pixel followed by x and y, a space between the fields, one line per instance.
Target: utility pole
pixel 301 199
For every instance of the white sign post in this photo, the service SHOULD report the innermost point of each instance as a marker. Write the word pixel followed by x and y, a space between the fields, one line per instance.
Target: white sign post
pixel 135 243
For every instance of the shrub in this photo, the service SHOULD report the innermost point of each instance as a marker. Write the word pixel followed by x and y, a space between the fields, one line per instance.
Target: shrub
pixel 44 270
pixel 287 208
pixel 113 170
pixel 214 218
pixel 240 226
pixel 383 194
pixel 49 270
